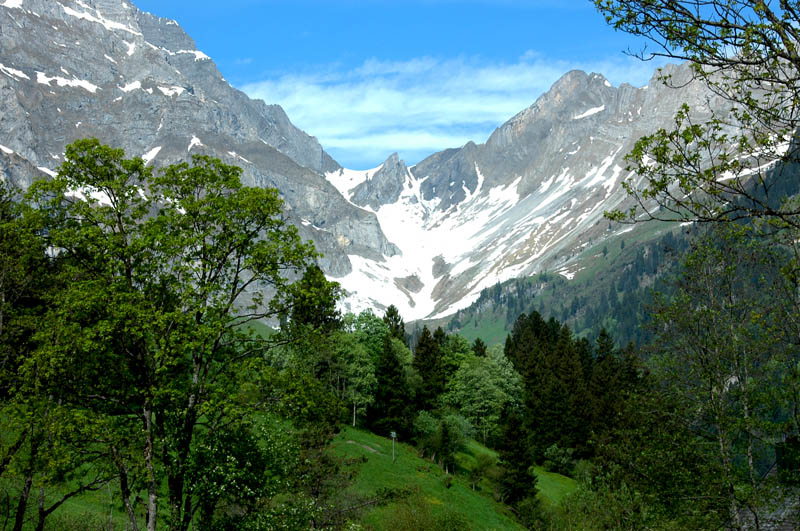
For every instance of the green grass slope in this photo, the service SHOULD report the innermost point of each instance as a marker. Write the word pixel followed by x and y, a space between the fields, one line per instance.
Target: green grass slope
pixel 477 507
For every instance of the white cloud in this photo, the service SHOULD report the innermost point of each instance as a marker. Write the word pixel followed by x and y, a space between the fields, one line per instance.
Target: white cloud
pixel 420 106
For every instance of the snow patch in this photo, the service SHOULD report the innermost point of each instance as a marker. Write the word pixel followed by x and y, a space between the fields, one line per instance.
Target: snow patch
pixel 194 142
pixel 150 155
pixel 86 193
pixel 13 72
pixel 110 58
pixel 131 86
pixel 48 171
pixel 108 24
pixel 198 55
pixel 13 4
pixel 346 180
pixel 237 156
pixel 590 112
pixel 172 91
pixel 6 150
pixel 131 47
pixel 62 82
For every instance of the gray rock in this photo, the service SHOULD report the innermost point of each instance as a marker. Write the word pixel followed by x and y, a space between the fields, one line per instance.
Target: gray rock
pixel 105 69
pixel 384 187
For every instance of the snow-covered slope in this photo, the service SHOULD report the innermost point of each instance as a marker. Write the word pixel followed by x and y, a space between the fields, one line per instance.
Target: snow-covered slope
pixel 527 200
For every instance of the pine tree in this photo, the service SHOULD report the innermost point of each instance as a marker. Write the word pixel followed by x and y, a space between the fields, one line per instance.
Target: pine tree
pixel 439 336
pixel 428 363
pixel 516 459
pixel 396 325
pixel 479 348
pixel 391 409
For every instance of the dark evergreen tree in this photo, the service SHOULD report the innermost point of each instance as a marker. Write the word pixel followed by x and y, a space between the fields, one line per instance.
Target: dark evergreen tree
pixel 518 483
pixel 479 348
pixel 391 409
pixel 604 384
pixel 439 336
pixel 428 363
pixel 553 369
pixel 396 325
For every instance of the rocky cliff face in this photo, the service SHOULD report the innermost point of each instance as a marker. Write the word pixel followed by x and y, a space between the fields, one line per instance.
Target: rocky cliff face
pixel 72 69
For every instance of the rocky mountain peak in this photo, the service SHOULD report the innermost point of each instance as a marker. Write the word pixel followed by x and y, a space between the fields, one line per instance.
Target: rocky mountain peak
pixel 384 186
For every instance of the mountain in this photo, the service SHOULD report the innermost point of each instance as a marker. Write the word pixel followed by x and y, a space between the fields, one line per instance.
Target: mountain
pixel 427 238
pixel 72 69
pixel 530 199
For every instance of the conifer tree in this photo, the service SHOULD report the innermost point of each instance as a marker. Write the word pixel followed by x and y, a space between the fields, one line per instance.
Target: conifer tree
pixel 391 409
pixel 479 348
pixel 428 363
pixel 396 325
pixel 518 482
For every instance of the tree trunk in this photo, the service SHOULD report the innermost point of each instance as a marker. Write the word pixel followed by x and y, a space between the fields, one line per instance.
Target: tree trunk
pixel 22 506
pixel 125 488
pixel 354 414
pixel 41 512
pixel 23 503
pixel 152 487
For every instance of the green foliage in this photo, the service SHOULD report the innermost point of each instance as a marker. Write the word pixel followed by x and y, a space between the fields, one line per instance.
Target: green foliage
pixel 559 460
pixel 479 348
pixel 429 365
pixel 314 301
pixel 715 170
pixel 141 343
pixel 518 481
pixel 397 326
pixel 392 406
pixel 481 388
pixel 717 356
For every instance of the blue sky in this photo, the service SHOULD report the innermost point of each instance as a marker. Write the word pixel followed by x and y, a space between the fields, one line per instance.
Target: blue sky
pixel 370 77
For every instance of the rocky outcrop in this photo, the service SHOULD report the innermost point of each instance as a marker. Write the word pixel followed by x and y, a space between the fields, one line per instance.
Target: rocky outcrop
pixel 384 186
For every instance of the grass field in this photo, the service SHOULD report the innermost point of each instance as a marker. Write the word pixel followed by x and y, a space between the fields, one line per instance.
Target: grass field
pixel 477 506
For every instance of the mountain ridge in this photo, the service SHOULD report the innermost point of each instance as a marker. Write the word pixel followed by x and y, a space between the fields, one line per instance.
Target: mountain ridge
pixel 427 238
pixel 528 200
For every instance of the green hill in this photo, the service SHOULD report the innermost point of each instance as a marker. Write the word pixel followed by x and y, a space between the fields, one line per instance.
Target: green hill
pixel 434 499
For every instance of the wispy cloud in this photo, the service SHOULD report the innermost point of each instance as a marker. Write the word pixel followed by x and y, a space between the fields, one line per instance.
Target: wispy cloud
pixel 420 106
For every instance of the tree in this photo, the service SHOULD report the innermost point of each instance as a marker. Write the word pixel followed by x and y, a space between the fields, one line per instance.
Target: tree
pixel 481 389
pixel 719 357
pixel 150 331
pixel 518 482
pixel 745 52
pixel 397 327
pixel 314 301
pixel 428 363
pixel 358 378
pixel 479 347
pixel 392 408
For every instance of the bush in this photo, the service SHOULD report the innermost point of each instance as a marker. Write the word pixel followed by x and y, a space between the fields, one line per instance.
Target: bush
pixel 530 513
pixel 559 460
pixel 583 471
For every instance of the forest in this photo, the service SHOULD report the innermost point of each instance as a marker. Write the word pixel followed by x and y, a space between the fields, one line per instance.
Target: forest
pixel 168 343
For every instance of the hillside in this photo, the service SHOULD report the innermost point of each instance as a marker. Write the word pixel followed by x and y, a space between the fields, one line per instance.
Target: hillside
pixel 434 498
